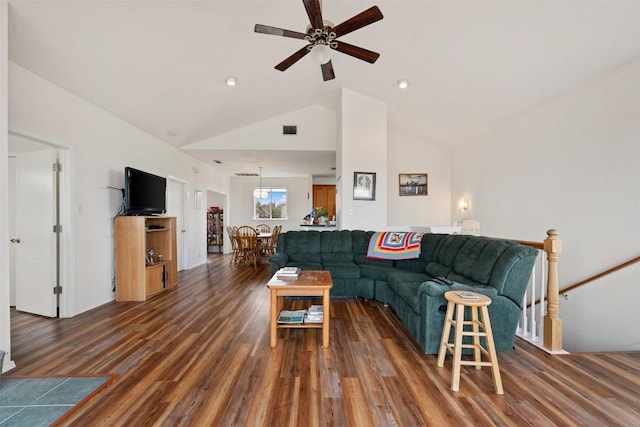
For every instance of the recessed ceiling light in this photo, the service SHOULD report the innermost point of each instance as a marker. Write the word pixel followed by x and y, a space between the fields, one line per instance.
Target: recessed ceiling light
pixel 403 84
pixel 231 81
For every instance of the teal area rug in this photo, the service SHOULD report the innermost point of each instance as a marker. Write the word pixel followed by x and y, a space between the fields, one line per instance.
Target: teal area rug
pixel 41 401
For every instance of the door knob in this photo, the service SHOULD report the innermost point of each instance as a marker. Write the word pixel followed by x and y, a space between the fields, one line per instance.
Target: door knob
pixel 16 240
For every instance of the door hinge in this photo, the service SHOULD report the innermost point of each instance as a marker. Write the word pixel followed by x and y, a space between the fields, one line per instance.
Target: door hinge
pixel 57 290
pixel 57 167
pixel 57 228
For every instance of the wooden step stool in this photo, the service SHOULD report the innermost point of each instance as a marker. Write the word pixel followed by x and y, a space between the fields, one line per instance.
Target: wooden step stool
pixel 457 302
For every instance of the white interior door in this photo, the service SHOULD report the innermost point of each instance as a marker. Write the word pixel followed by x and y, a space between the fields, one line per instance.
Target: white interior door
pixel 175 207
pixel 35 198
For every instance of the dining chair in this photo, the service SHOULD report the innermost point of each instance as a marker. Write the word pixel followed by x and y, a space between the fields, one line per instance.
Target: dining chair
pixel 231 232
pixel 263 242
pixel 248 250
pixel 263 228
pixel 273 240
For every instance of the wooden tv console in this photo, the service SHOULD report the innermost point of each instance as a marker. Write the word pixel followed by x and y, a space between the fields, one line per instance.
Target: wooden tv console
pixel 136 278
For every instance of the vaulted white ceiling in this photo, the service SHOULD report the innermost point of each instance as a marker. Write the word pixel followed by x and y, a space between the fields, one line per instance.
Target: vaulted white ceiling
pixel 472 65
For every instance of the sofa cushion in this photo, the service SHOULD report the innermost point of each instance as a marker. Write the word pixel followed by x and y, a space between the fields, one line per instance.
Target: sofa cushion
pixel 437 270
pixel 336 241
pixel 447 249
pixel 406 284
pixel 375 272
pixel 476 258
pixel 343 270
pixel 428 245
pixel 408 292
pixel 302 246
pixel 360 241
pixel 336 257
pixel 305 265
pixel 511 273
pixel 413 265
pixel 361 259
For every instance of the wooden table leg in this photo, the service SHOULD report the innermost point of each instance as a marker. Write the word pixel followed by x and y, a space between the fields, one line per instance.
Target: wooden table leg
pixel 326 306
pixel 274 318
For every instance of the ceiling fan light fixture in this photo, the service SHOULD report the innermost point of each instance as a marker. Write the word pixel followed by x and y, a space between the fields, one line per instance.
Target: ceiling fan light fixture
pixel 403 84
pixel 321 53
pixel 231 81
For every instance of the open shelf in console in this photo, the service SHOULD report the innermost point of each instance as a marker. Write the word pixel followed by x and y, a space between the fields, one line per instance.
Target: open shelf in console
pixel 145 255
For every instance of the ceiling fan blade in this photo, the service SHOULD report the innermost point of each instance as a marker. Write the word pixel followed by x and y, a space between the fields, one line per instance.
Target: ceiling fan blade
pixel 362 19
pixel 266 29
pixel 357 52
pixel 327 71
pixel 292 59
pixel 315 13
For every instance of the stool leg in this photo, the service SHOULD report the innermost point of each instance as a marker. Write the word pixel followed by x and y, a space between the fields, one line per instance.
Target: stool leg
pixel 457 348
pixel 476 338
pixel 491 348
pixel 446 329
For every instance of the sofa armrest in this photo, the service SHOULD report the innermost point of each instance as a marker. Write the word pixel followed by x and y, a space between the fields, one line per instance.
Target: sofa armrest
pixel 434 289
pixel 278 260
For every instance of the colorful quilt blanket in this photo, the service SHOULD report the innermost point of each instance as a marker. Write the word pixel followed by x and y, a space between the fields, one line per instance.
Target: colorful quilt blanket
pixel 394 245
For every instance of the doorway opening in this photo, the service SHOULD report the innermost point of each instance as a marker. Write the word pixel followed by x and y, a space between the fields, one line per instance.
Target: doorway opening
pixel 176 189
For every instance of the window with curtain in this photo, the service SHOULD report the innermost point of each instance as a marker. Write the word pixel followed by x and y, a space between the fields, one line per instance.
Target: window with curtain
pixel 270 203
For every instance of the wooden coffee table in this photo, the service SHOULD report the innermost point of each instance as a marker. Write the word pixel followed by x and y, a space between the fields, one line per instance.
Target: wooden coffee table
pixel 308 283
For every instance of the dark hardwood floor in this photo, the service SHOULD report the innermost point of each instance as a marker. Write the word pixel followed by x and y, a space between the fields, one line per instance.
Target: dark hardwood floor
pixel 199 355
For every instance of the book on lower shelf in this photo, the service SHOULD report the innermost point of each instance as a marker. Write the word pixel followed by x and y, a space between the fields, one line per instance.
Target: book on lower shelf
pixel 292 316
pixel 314 314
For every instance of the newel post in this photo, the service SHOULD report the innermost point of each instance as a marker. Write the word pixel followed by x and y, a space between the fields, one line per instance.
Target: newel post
pixel 552 321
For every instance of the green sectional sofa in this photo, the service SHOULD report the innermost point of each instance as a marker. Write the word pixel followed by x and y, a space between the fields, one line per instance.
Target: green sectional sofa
pixel 497 268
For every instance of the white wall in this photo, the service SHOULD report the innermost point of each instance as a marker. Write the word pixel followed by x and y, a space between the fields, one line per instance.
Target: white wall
pixel 572 165
pixel 102 145
pixel 5 327
pixel 299 201
pixel 316 132
pixel 406 154
pixel 363 148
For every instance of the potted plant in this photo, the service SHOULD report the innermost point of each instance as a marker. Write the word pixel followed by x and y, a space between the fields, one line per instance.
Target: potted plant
pixel 321 214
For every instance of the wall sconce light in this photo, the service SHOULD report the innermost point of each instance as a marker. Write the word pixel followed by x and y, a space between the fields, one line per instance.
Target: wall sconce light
pixel 463 204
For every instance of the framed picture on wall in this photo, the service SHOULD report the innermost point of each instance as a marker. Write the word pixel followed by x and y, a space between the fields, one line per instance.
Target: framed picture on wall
pixel 413 184
pixel 364 186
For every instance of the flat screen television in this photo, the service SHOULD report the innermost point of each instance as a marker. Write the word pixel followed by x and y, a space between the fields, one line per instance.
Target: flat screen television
pixel 144 193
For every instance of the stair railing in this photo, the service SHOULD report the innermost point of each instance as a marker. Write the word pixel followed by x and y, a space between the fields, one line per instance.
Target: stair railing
pixel 599 275
pixel 537 326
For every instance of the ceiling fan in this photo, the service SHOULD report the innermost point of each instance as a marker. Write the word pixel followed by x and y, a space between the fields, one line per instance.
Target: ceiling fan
pixel 321 36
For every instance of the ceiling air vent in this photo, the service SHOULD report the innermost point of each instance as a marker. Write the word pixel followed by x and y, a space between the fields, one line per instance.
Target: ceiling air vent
pixel 289 130
pixel 246 174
